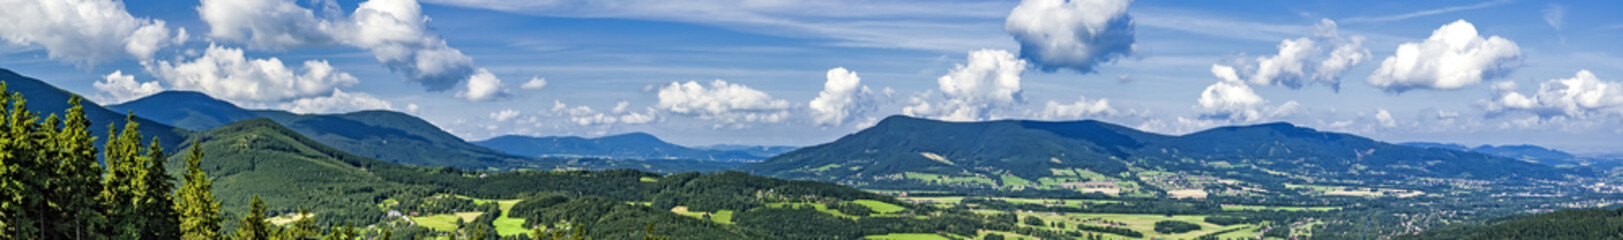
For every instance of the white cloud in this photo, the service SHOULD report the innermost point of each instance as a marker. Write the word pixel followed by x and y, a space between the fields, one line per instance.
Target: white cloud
pixel 504 115
pixel 338 102
pixel 535 83
pixel 585 116
pixel 1582 96
pixel 1428 12
pixel 1072 34
pixel 123 88
pixel 1452 58
pixel 1231 99
pixel 991 79
pixel 1555 15
pixel 732 105
pixel 843 97
pixel 483 86
pixel 1082 108
pixel 1385 118
pixel 944 26
pixel 395 31
pixel 1303 61
pixel 225 73
pixel 82 31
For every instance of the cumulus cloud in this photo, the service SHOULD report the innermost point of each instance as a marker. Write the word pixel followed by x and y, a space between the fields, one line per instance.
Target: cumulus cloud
pixel 1582 96
pixel 1385 118
pixel 991 79
pixel 1453 57
pixel 504 115
pixel 121 88
pixel 338 102
pixel 535 83
pixel 730 104
pixel 1082 108
pixel 1301 61
pixel 395 31
pixel 1231 99
pixel 586 116
pixel 227 74
pixel 843 97
pixel 1072 34
pixel 483 86
pixel 83 31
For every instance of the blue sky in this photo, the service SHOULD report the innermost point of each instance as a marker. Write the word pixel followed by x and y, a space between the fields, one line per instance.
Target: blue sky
pixel 654 66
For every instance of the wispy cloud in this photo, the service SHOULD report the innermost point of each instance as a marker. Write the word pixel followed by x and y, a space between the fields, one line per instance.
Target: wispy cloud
pixel 936 26
pixel 1399 17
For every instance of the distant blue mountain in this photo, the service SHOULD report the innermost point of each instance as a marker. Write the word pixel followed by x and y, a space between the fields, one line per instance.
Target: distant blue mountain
pixel 47 100
pixel 383 135
pixel 763 151
pixel 625 146
pixel 1523 152
pixel 186 109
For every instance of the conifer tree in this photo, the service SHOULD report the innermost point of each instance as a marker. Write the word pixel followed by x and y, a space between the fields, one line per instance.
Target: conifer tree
pixel 199 213
pixel 305 227
pixel 24 205
pixel 253 226
pixel 10 181
pixel 157 202
pixel 121 189
pixel 78 176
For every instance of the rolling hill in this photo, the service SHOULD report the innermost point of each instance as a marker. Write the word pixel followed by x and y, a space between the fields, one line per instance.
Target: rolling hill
pixel 186 109
pixel 624 146
pixel 48 100
pixel 383 135
pixel 394 137
pixel 1523 152
pixel 907 153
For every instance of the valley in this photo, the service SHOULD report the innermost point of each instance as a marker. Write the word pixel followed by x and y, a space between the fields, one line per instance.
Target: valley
pixel 904 178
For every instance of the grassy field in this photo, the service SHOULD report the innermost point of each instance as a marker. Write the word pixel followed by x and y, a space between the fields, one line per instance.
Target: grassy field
pixel 444 222
pixel 907 236
pixel 947 179
pixel 1253 208
pixel 722 217
pixel 1143 223
pixel 879 207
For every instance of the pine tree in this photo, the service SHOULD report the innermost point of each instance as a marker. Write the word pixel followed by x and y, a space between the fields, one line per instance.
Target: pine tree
pixel 121 189
pixel 10 180
pixel 157 202
pixel 253 226
pixel 23 205
pixel 199 213
pixel 305 227
pixel 78 176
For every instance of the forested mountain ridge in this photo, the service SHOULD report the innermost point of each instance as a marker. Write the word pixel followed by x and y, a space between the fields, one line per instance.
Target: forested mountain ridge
pixel 634 145
pixel 186 109
pixel 1523 152
pixel 1091 156
pixel 384 135
pixel 48 100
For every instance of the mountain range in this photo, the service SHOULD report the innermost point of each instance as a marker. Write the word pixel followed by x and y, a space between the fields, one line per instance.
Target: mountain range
pixel 50 100
pixel 402 138
pixel 906 153
pixel 1523 152
pixel 634 145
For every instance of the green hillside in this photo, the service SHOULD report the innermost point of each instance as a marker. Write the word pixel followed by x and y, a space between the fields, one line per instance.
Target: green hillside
pixel 904 153
pixel 288 171
pixel 48 100
pixel 1561 224
pixel 624 146
pixel 185 109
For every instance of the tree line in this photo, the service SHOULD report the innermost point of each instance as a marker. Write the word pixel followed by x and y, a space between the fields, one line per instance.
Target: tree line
pixel 52 185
